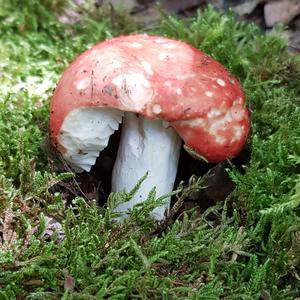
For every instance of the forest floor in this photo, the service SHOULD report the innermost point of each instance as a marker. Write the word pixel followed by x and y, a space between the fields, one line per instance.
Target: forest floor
pixel 58 237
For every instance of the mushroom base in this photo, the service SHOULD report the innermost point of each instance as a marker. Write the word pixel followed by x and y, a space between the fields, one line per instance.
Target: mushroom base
pixel 146 146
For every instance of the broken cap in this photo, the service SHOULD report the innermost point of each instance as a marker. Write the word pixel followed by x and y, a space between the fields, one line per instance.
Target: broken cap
pixel 155 77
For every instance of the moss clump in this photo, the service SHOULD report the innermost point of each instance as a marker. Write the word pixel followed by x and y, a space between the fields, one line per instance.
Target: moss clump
pixel 245 248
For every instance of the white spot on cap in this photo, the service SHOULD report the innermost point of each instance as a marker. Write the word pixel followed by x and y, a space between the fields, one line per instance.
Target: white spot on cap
pixel 93 53
pixel 168 83
pixel 83 84
pixel 147 67
pixel 238 132
pixel 221 82
pixel 134 90
pixel 162 56
pixel 213 113
pixel 228 117
pixel 209 93
pixel 115 64
pixel 220 139
pixel 237 112
pixel 160 41
pixel 193 122
pixel 169 46
pixel 156 109
pixel 178 91
pixel 147 84
pixel 216 125
pixel 238 100
pixel 136 45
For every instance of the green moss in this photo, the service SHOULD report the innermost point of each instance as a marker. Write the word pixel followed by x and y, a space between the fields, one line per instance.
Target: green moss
pixel 245 248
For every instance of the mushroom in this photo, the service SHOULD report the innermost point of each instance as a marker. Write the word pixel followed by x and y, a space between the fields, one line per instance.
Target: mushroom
pixel 166 92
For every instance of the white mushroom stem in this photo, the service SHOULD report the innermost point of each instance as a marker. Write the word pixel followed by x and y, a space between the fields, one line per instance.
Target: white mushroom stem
pixel 146 146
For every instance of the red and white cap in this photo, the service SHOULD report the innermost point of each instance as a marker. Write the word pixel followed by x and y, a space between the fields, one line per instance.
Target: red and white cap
pixel 155 77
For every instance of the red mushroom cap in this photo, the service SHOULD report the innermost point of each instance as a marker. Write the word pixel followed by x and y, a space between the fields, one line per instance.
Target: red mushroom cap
pixel 161 78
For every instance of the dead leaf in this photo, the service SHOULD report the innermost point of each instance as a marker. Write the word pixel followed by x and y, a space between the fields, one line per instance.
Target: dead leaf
pixel 52 226
pixel 35 282
pixel 7 229
pixel 69 283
